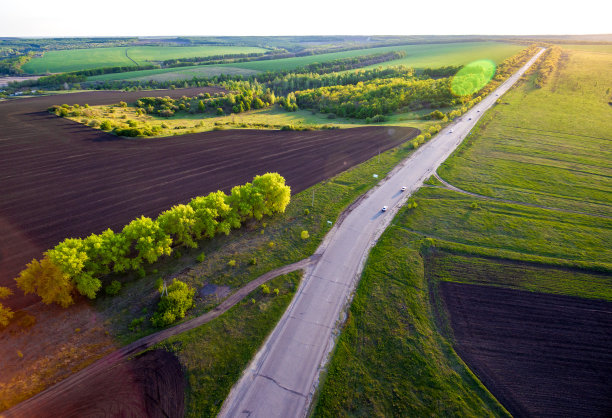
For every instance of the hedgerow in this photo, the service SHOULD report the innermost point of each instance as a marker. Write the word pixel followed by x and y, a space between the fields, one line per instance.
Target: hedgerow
pixel 77 265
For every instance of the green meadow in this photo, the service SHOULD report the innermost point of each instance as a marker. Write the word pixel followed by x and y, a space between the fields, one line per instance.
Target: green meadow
pixel 418 56
pixel 84 59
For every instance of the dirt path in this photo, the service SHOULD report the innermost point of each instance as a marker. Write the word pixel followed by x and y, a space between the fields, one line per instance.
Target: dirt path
pixel 128 57
pixel 85 377
pixel 514 202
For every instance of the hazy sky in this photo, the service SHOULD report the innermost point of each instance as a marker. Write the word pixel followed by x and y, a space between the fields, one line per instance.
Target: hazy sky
pixel 310 17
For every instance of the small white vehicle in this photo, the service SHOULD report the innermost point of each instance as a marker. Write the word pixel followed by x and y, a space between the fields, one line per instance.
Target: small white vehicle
pixel 384 208
pixel 478 110
pixel 450 131
pixel 470 119
pixel 404 189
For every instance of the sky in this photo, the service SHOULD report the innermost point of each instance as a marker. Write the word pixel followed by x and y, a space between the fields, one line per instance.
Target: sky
pixel 44 18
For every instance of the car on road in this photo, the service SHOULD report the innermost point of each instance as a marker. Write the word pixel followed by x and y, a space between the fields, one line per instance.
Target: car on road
pixel 384 208
pixel 404 189
pixel 478 110
pixel 450 131
pixel 470 119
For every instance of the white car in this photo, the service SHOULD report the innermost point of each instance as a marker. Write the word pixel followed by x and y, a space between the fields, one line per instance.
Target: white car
pixel 384 208
pixel 470 119
pixel 450 131
pixel 404 189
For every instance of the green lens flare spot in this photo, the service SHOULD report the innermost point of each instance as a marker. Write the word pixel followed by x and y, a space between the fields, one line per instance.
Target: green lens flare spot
pixel 473 77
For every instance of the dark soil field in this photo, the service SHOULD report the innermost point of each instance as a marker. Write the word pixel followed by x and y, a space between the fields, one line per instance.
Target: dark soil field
pixel 61 179
pixel 150 385
pixel 539 354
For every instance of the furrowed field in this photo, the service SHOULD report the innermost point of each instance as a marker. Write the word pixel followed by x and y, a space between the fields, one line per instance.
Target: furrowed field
pixel 83 59
pixel 545 152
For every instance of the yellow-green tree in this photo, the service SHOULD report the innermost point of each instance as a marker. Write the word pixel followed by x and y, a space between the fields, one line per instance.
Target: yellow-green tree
pixel 5 312
pixel 47 280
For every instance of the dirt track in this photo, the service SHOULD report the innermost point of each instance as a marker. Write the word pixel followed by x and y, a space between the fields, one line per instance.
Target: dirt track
pixel 538 354
pixel 61 179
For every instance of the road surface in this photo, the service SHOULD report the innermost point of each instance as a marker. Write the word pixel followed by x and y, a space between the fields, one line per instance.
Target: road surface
pixel 282 378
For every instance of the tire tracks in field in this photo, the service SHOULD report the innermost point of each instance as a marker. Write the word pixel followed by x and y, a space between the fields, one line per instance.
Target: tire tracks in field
pixel 111 360
pixel 128 57
pixel 448 186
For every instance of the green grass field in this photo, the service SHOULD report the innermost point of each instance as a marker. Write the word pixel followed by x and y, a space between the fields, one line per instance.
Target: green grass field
pixel 83 59
pixel 418 56
pixel 546 146
pixel 389 359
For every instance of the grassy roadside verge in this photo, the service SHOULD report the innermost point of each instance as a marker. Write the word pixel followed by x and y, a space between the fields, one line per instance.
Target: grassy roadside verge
pixel 389 359
pixel 214 355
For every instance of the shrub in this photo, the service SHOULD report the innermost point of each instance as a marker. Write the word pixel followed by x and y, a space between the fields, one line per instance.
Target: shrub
pixel 200 258
pixel 306 212
pixel 253 261
pixel 173 306
pixel 276 291
pixel 265 289
pixel 305 235
pixel 271 244
pixel 106 125
pixel 94 123
pixel 474 205
pixel 123 104
pixel 113 288
pixel 231 263
pixel 136 324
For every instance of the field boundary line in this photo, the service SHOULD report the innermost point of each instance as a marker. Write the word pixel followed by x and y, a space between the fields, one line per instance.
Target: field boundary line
pixel 130 58
pixel 449 186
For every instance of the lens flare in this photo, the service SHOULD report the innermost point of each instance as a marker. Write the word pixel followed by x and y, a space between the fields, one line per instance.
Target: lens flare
pixel 473 77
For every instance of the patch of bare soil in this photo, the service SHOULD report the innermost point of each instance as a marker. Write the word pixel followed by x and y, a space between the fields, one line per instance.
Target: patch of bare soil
pixel 149 385
pixel 538 354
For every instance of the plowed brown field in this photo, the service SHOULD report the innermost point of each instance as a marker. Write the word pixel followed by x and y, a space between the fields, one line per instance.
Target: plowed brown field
pixel 150 385
pixel 539 354
pixel 61 179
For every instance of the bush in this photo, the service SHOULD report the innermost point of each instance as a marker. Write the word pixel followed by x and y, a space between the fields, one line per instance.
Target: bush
pixel 106 125
pixel 305 235
pixel 265 289
pixel 271 244
pixel 113 288
pixel 231 263
pixel 173 306
pixel 136 324
pixel 200 258
pixel 306 212
pixel 253 261
pixel 123 104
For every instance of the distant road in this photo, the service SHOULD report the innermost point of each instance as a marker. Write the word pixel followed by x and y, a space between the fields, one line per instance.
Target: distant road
pixel 281 380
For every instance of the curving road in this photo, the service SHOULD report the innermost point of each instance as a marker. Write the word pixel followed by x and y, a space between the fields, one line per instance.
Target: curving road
pixel 282 378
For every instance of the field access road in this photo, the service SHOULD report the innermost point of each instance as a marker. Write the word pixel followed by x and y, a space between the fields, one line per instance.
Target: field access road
pixel 282 378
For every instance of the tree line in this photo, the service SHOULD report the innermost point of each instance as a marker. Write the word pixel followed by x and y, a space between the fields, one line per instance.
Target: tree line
pixel 77 265
pixel 548 63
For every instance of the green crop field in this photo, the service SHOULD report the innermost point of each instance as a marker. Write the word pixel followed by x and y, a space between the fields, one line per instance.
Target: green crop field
pixel 418 56
pixel 542 146
pixel 83 59
pixel 548 146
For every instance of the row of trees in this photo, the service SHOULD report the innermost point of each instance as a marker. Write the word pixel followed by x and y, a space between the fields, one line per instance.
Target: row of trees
pixel 245 96
pixel 548 63
pixel 77 264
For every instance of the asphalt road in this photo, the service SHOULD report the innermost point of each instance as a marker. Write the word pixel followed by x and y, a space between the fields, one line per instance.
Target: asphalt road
pixel 283 376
